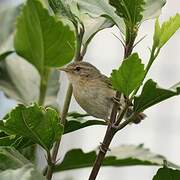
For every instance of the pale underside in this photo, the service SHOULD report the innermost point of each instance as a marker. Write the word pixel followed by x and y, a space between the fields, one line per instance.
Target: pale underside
pixel 94 97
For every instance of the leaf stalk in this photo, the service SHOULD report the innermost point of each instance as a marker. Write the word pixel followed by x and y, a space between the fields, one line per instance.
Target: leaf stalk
pixel 43 86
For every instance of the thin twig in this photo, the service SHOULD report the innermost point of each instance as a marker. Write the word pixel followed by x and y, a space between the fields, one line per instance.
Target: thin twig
pixel 153 56
pixel 50 165
pixel 125 123
pixel 119 39
pixel 78 57
pixel 63 119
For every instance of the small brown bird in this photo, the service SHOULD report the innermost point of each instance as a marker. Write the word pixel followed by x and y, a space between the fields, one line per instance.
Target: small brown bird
pixel 93 91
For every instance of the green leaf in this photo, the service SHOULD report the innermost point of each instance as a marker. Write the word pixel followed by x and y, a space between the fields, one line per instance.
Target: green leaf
pixel 5 54
pixel 98 14
pixel 169 28
pixel 152 9
pixel 27 172
pixel 129 75
pixel 76 115
pixel 151 94
pixel 101 8
pixel 97 8
pixel 125 155
pixel 39 125
pixel 17 142
pixel 130 11
pixel 19 78
pixel 157 33
pixel 167 174
pixel 24 145
pixel 166 31
pixel 71 11
pixel 42 39
pixel 75 125
pixel 64 8
pixel 11 159
pixel 93 26
pixel 76 121
pixel 6 140
pixel 8 15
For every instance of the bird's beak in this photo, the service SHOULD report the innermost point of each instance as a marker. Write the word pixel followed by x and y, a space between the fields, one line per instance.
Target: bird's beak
pixel 64 69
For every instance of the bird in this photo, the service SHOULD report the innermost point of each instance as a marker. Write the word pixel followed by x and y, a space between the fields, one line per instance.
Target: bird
pixel 93 91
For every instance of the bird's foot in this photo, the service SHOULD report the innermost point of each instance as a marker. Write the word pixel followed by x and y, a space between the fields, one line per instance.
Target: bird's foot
pixel 114 126
pixel 103 149
pixel 116 100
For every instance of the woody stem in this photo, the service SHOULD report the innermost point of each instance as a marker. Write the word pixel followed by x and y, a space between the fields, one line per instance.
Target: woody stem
pixel 111 130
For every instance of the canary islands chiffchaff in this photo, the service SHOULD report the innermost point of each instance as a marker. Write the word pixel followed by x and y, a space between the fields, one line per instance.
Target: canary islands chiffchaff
pixel 93 91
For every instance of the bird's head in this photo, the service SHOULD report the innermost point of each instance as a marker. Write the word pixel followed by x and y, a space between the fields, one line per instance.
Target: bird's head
pixel 79 71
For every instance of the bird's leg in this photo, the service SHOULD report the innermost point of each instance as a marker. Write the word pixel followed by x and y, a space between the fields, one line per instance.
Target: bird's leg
pixel 116 100
pixel 120 105
pixel 114 126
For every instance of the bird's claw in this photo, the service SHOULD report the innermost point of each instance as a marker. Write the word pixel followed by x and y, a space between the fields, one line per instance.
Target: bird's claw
pixel 116 100
pixel 114 126
pixel 109 123
pixel 103 149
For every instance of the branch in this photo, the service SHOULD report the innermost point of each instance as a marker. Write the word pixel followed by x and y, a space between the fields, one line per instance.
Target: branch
pixel 106 142
pixel 102 152
pixel 111 129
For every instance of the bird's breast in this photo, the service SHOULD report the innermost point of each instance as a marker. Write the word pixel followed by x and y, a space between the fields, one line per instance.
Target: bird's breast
pixel 94 98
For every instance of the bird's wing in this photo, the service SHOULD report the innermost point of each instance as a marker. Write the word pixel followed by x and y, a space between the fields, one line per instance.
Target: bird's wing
pixel 107 81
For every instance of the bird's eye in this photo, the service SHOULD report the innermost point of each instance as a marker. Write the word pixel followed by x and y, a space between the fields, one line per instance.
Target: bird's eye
pixel 77 68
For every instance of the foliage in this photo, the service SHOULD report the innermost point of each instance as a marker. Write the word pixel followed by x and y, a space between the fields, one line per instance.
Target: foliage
pixel 165 32
pixel 39 125
pixel 125 155
pixel 99 8
pixel 36 38
pixel 8 15
pixel 69 12
pixel 5 54
pixel 130 12
pixel 151 95
pixel 129 76
pixel 11 158
pixel 24 173
pixel 16 85
pixel 76 121
pixel 166 173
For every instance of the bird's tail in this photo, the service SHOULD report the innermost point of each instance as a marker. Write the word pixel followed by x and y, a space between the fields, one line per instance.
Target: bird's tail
pixel 139 117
